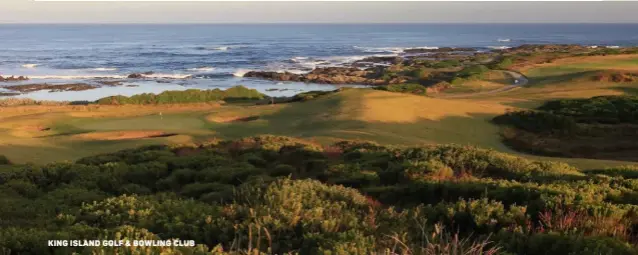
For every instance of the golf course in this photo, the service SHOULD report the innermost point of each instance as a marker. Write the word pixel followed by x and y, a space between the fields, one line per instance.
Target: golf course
pixel 524 151
pixel 44 134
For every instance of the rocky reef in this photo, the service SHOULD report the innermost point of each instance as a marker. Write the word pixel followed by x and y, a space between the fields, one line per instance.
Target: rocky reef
pixel 329 75
pixel 50 87
pixel 13 78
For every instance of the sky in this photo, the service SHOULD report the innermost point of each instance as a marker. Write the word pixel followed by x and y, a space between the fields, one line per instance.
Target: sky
pixel 29 11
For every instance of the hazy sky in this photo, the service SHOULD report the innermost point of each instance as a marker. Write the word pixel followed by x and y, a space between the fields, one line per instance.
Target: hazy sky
pixel 28 11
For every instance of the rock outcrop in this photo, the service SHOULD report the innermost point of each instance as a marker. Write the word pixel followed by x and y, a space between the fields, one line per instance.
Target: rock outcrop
pixel 13 78
pixel 50 87
pixel 327 75
pixel 529 48
pixel 135 76
pixel 438 50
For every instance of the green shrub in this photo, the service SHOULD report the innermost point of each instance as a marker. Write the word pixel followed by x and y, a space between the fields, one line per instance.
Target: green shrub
pixel 237 93
pixel 601 109
pixel 4 160
pixel 474 70
pixel 410 88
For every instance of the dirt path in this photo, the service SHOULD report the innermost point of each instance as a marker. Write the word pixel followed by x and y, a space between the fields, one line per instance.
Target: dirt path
pixel 519 81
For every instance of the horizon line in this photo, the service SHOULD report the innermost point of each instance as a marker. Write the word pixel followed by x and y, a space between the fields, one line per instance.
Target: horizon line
pixel 310 23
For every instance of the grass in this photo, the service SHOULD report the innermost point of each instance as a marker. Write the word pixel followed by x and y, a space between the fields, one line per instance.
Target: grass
pixel 490 81
pixel 357 114
pixel 43 134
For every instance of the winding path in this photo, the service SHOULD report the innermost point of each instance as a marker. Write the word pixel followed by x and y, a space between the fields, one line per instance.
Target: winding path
pixel 519 81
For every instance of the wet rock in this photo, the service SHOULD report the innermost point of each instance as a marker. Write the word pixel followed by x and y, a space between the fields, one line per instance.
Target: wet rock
pixel 110 83
pixel 383 60
pixel 277 76
pixel 545 48
pixel 438 50
pixel 13 78
pixel 135 76
pixel 326 75
pixel 8 94
pixel 50 87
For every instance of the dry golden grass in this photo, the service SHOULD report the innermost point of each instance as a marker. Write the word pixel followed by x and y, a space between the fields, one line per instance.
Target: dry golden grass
pixel 600 62
pixel 379 106
pixel 103 110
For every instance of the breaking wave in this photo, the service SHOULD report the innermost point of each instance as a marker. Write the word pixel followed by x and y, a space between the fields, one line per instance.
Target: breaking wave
pixel 498 47
pixel 104 69
pixel 30 65
pixel 202 69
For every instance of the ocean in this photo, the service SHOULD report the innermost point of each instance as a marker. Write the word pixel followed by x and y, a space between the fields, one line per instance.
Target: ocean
pixel 216 55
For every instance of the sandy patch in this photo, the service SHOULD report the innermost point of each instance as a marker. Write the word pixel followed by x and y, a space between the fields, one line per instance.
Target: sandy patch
pixel 122 135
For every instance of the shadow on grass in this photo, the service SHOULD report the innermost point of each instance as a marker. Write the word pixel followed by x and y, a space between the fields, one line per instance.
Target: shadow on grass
pixel 628 90
pixel 540 81
pixel 330 120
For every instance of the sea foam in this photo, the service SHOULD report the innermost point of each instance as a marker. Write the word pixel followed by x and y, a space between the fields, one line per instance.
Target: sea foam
pixel 240 72
pixel 104 69
pixel 202 69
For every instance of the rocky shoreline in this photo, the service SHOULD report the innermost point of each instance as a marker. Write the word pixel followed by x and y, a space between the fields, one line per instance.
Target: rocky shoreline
pixel 13 78
pixel 27 88
pixel 441 64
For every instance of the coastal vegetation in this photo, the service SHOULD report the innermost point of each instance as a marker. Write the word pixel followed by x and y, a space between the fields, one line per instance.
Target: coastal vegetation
pixel 281 195
pixel 237 93
pixel 598 127
pixel 404 167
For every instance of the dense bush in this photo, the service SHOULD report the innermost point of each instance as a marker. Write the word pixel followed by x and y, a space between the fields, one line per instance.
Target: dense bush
pixel 538 122
pixel 279 195
pixel 601 109
pixel 474 70
pixel 504 63
pixel 4 160
pixel 237 93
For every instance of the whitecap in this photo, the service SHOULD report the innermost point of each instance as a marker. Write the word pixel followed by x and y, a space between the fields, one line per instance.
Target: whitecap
pixel 298 59
pixel 75 77
pixel 240 72
pixel 168 76
pixel 395 50
pixel 504 40
pixel 498 47
pixel 30 65
pixel 104 69
pixel 202 69
pixel 424 48
pixel 612 47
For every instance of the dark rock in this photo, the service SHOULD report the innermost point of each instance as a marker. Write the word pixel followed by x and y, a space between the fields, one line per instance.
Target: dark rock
pixel 8 94
pixel 285 76
pixel 327 75
pixel 389 60
pixel 545 48
pixel 135 76
pixel 50 87
pixel 13 78
pixel 110 83
pixel 438 50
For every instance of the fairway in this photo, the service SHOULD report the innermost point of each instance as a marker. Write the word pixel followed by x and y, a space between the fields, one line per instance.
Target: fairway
pixel 354 114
